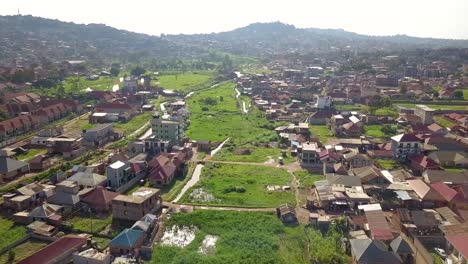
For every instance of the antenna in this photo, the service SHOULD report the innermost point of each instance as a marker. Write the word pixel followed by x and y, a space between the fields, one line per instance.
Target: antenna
pixel 19 12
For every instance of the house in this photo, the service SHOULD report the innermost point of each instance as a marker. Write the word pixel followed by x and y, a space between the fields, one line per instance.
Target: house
pixel 454 197
pixel 162 170
pixel 99 199
pixel 322 196
pixel 420 163
pixel 204 146
pixel 377 225
pixel 127 242
pixel 428 196
pixel 118 174
pixel 449 158
pixel 10 168
pixel 368 251
pixel 60 251
pixel 133 207
pixel 368 175
pixel 99 135
pixel 406 145
pixel 39 163
pixel 425 113
pixel 320 117
pixel 66 194
pixel 91 256
pixel 450 177
pixel 308 155
pixel 49 213
pixel 42 229
pixel 88 179
pixel 357 160
pixel 114 108
pixel 287 214
pixel 403 249
pixel 456 244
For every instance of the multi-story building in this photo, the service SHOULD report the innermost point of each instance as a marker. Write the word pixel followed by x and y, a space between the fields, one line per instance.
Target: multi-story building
pixel 308 154
pixel 167 128
pixel 425 113
pixel 133 207
pixel 323 102
pixel 99 135
pixel 118 173
pixel 406 145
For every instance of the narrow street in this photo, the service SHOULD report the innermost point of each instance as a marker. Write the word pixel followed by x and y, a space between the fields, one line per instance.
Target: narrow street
pixel 195 178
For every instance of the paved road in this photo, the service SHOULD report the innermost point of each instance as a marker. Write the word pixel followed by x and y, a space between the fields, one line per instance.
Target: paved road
pixel 213 152
pixel 195 178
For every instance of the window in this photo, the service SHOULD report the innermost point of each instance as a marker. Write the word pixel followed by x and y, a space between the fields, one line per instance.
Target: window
pixel 125 212
pixel 125 204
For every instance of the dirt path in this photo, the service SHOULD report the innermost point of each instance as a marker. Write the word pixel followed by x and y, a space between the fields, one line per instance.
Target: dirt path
pixel 295 185
pixel 195 178
pixel 213 152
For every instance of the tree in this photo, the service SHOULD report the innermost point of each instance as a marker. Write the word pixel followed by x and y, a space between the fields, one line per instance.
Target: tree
pixel 137 71
pixel 458 94
pixel 114 71
pixel 4 115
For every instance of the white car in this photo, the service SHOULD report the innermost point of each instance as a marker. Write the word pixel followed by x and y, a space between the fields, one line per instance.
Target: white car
pixel 440 252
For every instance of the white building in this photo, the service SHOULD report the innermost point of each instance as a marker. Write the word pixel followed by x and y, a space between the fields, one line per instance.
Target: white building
pixel 323 102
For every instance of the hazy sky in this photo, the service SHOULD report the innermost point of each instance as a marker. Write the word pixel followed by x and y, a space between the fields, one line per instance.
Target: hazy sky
pixel 423 18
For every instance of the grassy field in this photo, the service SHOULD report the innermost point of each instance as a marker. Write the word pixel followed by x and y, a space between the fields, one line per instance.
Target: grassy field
pixel 9 232
pixel 386 111
pixel 443 121
pixel 348 107
pixel 135 123
pixel 77 85
pixel 183 81
pixel 242 185
pixel 438 107
pixel 24 250
pixel 90 225
pixel 307 179
pixel 258 154
pixel 244 237
pixel 216 115
pixel 387 164
pixel 322 132
pixel 30 154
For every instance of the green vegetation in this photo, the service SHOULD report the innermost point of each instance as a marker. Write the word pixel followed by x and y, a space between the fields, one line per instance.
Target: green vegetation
pixel 10 232
pixel 437 259
pixel 250 154
pixel 385 111
pixel 348 107
pixel 27 156
pixel 465 93
pixel 387 164
pixel 24 250
pixel 452 169
pixel 102 242
pixel 183 81
pixel 170 191
pixel 307 179
pixel 224 119
pixel 437 107
pixel 443 121
pixel 134 124
pixel 251 237
pixel 88 224
pixel 242 185
pixel 380 131
pixel 322 132
pixel 78 85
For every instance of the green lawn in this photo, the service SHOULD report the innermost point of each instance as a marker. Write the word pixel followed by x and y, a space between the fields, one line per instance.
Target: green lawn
pixel 24 250
pixel 307 179
pixel 216 115
pixel 386 111
pixel 9 232
pixel 322 132
pixel 374 131
pixel 244 237
pixel 183 81
pixel 90 225
pixel 387 164
pixel 102 242
pixel 437 107
pixel 135 123
pixel 257 154
pixel 30 154
pixel 465 93
pixel 348 107
pixel 443 121
pixel 242 185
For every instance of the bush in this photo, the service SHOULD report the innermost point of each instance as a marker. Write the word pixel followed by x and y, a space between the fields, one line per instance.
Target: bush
pixel 205 108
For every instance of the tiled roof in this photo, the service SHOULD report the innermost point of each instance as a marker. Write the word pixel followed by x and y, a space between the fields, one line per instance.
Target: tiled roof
pixel 61 247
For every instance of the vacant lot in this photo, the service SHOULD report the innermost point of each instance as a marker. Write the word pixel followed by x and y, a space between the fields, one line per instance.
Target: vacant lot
pixel 243 237
pixel 27 156
pixel 183 81
pixel 88 224
pixel 24 250
pixel 387 164
pixel 254 154
pixel 322 132
pixel 134 124
pixel 444 122
pixel 240 185
pixel 438 107
pixel 9 232
pixel 216 115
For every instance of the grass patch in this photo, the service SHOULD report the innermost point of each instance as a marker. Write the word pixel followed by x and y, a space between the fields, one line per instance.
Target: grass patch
pixel 452 169
pixel 387 164
pixel 322 132
pixel 88 224
pixel 10 232
pixel 242 185
pixel 438 107
pixel 24 250
pixel 183 81
pixel 134 124
pixel 27 156
pixel 257 154
pixel 170 192
pixel 386 111
pixel 307 179
pixel 215 119
pixel 348 107
pixel 102 242
pixel 444 122
pixel 244 237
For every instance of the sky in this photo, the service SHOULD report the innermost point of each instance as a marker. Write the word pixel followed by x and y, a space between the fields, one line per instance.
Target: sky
pixel 421 18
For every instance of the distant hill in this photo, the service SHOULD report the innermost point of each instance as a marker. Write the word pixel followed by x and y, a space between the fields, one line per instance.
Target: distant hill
pixel 277 37
pixel 34 39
